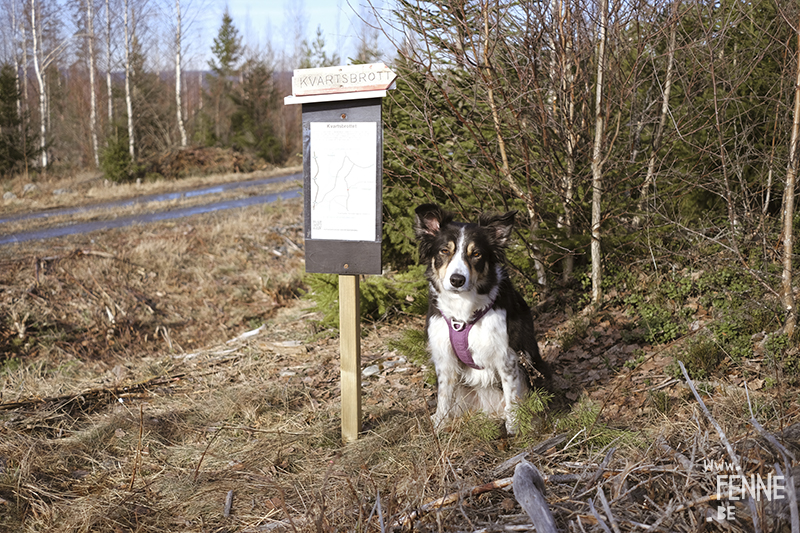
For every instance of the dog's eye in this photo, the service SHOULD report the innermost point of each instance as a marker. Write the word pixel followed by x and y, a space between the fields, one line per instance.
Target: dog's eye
pixel 476 254
pixel 444 252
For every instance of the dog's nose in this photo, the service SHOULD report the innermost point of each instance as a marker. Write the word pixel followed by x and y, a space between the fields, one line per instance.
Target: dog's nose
pixel 457 280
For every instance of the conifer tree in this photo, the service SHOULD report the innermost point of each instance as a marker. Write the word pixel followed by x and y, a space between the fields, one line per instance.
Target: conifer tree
pixel 17 144
pixel 314 54
pixel 227 50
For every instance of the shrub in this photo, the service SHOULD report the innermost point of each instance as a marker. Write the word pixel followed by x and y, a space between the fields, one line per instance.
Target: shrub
pixel 381 296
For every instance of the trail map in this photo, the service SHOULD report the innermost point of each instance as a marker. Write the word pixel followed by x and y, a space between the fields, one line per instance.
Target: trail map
pixel 343 180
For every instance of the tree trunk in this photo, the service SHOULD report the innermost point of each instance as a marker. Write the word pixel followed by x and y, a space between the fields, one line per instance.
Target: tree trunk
pixel 108 65
pixel 93 94
pixel 597 160
pixel 541 275
pixel 128 102
pixel 179 105
pixel 18 82
pixel 14 43
pixel 40 79
pixel 563 79
pixel 788 210
pixel 649 179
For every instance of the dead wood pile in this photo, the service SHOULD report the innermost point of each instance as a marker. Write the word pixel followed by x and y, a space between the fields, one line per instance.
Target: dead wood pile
pixel 202 160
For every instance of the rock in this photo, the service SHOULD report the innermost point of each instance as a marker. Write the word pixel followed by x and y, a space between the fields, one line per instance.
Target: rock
pixel 59 192
pixel 8 195
pixel 29 188
pixel 371 370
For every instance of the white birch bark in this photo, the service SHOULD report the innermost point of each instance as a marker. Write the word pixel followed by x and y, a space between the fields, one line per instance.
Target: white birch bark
pixel 40 79
pixel 92 91
pixel 788 211
pixel 128 102
pixel 597 160
pixel 108 65
pixel 563 82
pixel 179 105
pixel 649 179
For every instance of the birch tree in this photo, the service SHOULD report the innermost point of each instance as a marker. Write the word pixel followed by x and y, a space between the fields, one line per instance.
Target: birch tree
pixel 128 73
pixel 659 133
pixel 109 65
pixel 92 89
pixel 178 69
pixel 788 210
pixel 597 160
pixel 38 68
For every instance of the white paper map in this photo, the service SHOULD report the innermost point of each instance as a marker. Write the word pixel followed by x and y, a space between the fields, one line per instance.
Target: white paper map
pixel 343 191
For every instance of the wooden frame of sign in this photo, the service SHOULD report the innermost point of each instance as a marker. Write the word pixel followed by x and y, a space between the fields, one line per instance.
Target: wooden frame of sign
pixel 342 174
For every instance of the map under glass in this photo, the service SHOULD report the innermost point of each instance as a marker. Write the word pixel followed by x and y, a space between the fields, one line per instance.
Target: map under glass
pixel 344 157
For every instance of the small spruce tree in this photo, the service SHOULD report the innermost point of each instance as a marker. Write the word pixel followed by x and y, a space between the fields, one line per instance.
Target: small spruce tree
pixel 17 144
pixel 227 51
pixel 314 54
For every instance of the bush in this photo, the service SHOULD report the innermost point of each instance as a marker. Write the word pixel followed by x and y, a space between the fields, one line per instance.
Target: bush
pixel 381 296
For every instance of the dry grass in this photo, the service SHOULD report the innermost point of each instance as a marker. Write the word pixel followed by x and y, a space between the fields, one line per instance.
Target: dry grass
pixel 167 287
pixel 128 404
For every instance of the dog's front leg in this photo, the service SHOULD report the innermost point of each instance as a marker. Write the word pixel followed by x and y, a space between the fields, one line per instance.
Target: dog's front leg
pixel 514 389
pixel 445 397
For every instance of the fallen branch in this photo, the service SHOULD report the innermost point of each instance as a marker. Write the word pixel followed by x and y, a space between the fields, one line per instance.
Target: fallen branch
pixel 108 394
pixel 529 491
pixel 453 497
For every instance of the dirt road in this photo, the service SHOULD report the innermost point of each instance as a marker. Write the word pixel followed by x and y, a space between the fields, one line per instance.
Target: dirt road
pixel 142 209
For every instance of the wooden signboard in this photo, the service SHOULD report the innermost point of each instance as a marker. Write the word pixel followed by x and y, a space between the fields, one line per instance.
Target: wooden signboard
pixel 342 174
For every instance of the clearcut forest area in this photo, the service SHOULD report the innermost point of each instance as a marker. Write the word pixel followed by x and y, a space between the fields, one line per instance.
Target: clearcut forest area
pixel 183 375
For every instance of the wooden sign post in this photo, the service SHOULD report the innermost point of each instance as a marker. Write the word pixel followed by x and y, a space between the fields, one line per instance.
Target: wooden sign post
pixel 342 171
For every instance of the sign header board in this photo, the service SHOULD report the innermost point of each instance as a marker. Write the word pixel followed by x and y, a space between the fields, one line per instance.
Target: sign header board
pixel 344 79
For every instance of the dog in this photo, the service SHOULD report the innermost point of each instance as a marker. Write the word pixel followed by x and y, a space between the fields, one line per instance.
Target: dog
pixel 479 328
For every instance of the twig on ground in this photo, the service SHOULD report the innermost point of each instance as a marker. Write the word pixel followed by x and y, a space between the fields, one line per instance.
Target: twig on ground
pixel 603 466
pixel 682 459
pixel 137 460
pixel 597 517
pixel 607 508
pixel 226 511
pixel 734 458
pixel 203 455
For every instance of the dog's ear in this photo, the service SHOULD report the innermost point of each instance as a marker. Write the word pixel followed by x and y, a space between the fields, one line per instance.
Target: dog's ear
pixel 429 219
pixel 500 226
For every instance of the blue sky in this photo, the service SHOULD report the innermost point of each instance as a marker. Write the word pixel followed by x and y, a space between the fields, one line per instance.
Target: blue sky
pixel 262 21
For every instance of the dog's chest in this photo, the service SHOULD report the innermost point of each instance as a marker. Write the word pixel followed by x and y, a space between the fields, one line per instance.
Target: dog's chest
pixel 487 340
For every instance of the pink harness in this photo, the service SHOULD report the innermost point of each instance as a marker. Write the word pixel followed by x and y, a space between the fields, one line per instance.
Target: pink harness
pixel 459 336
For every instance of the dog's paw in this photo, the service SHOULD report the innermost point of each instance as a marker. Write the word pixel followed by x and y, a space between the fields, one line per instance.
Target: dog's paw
pixel 511 425
pixel 438 422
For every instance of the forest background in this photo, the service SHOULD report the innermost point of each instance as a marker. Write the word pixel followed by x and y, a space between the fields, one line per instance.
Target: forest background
pixel 635 138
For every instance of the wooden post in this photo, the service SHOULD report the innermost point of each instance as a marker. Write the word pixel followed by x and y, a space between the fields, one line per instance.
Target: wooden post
pixel 342 180
pixel 350 347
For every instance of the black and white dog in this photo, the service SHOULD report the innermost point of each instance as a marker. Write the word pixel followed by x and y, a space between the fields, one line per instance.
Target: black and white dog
pixel 479 327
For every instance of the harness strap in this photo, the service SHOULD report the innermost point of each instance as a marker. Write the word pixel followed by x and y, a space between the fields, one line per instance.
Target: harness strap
pixel 459 336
